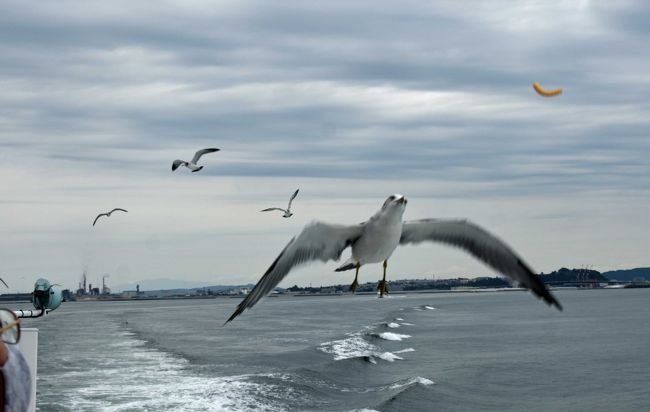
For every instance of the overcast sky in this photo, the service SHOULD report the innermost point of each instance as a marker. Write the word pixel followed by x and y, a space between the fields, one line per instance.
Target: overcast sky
pixel 350 101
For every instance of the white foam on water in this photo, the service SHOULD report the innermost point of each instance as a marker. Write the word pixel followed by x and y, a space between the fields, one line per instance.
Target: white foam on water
pixel 424 381
pixel 392 336
pixel 412 381
pixel 398 319
pixel 405 350
pixel 129 376
pixel 392 325
pixel 353 347
pixel 390 357
pixel 408 324
pixel 429 307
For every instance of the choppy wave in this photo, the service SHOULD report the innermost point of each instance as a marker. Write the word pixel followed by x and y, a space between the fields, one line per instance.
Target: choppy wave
pixel 357 346
pixel 403 388
pixel 390 357
pixel 392 325
pixel 352 347
pixel 391 336
pixel 412 381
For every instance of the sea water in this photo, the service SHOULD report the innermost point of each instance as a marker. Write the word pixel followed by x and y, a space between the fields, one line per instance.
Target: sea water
pixel 502 351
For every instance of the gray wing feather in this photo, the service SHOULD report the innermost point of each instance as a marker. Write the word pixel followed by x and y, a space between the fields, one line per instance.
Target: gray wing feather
pixel 317 241
pixel 201 152
pixel 272 208
pixel 291 199
pixel 177 163
pixel 98 216
pixel 117 208
pixel 482 245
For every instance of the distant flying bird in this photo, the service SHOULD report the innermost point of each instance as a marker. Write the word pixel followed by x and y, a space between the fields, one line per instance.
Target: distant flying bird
pixel 108 214
pixel 192 163
pixel 375 240
pixel 287 212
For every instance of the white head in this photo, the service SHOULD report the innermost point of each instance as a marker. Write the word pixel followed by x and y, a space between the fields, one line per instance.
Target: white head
pixel 395 203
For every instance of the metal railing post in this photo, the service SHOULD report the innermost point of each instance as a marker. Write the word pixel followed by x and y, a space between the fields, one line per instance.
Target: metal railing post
pixel 28 345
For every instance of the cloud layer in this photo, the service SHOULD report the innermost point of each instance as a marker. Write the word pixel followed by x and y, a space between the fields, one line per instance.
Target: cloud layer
pixel 350 101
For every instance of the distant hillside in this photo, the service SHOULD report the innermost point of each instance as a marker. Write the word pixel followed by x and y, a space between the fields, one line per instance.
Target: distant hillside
pixel 168 284
pixel 629 275
pixel 573 275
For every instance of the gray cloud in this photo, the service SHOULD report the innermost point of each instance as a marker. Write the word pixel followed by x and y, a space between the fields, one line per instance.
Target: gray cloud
pixel 99 98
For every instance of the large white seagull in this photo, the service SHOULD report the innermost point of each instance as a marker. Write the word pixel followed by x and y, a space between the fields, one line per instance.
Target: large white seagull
pixel 375 240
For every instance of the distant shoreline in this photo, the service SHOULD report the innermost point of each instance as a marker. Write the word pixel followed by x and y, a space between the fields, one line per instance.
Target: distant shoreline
pixel 309 295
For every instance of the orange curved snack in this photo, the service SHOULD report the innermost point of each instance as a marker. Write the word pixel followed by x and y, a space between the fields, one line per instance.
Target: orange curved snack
pixel 546 93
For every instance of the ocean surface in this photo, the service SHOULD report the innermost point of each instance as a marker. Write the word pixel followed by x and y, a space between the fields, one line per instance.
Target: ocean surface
pixel 501 351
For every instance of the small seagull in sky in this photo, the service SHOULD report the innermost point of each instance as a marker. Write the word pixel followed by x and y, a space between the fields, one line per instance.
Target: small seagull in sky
pixel 375 240
pixel 192 163
pixel 107 214
pixel 287 212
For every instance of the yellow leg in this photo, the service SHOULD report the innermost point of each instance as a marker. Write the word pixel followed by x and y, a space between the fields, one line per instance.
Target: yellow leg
pixel 383 285
pixel 355 284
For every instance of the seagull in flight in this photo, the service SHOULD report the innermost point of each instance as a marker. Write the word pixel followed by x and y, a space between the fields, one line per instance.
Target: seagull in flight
pixel 192 163
pixel 375 240
pixel 287 212
pixel 107 214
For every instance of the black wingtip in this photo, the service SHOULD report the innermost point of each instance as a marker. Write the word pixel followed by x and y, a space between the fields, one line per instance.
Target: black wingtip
pixel 557 304
pixel 538 287
pixel 236 313
pixel 544 293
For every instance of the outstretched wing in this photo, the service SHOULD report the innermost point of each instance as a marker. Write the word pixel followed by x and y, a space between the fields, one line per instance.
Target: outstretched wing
pixel 117 208
pixel 317 241
pixel 482 245
pixel 201 152
pixel 292 197
pixel 272 208
pixel 98 216
pixel 4 283
pixel 177 163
